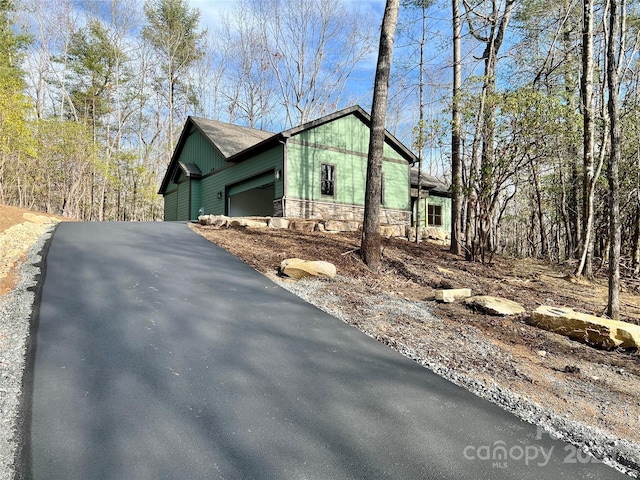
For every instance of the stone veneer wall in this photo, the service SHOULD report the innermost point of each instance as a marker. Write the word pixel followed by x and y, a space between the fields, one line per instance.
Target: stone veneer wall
pixel 332 211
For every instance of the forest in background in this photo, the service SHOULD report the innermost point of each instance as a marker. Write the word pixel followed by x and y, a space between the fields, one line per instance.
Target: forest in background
pixel 522 104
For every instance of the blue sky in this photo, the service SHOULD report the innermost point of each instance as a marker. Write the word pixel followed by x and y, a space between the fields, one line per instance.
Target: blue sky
pixel 211 9
pixel 361 83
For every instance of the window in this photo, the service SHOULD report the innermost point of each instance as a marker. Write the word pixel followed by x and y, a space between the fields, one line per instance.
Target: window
pixel 434 215
pixel 327 179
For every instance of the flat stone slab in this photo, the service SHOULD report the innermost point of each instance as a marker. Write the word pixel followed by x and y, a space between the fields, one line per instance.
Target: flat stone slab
pixel 341 226
pixel 450 295
pixel 495 305
pixel 279 223
pixel 597 331
pixel 248 223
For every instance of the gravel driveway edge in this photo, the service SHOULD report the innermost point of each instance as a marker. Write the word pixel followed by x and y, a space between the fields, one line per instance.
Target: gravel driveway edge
pixel 18 317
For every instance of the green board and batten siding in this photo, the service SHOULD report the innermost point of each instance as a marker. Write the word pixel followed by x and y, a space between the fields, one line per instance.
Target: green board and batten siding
pixel 343 143
pixel 253 172
pixel 217 174
pixel 183 200
pixel 171 205
pixel 197 149
pixel 445 204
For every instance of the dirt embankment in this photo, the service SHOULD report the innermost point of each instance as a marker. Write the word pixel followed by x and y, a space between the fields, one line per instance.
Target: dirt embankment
pixel 19 229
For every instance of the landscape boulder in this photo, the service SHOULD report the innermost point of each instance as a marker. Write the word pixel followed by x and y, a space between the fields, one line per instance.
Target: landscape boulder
pixel 279 223
pixel 305 226
pixel 219 220
pixel 433 233
pixel 341 226
pixel 213 220
pixel 388 231
pixel 449 295
pixel 495 305
pixel 298 268
pixel 596 331
pixel 248 222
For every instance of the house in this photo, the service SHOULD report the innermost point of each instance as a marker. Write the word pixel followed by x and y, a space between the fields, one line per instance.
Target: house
pixel 316 170
pixel 435 201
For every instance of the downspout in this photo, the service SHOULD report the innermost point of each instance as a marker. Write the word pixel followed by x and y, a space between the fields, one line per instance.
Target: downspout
pixel 285 176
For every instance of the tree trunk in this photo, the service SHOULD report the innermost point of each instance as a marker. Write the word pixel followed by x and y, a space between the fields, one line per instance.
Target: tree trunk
pixel 371 240
pixel 420 143
pixel 486 123
pixel 544 247
pixel 566 218
pixel 635 259
pixel 456 160
pixel 586 89
pixel 616 17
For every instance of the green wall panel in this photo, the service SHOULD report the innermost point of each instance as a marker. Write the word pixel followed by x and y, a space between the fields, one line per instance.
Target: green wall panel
pixel 396 185
pixel 197 149
pixel 183 201
pixel 435 200
pixel 171 206
pixel 196 202
pixel 208 196
pixel 346 133
pixel 343 143
pixel 264 164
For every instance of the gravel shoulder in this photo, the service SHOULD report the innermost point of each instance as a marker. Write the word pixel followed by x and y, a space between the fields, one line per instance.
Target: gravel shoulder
pixel 16 326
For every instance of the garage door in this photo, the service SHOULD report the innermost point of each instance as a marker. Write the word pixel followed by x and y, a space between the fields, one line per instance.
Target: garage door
pixel 253 197
pixel 254 182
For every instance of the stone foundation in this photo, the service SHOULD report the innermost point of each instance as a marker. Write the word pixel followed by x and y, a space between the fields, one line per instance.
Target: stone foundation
pixel 313 225
pixel 332 211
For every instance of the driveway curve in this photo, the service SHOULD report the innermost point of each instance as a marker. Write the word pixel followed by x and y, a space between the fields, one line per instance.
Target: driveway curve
pixel 159 355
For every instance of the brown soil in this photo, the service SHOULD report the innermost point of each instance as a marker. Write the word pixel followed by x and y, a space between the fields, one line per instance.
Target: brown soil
pixel 577 382
pixel 19 229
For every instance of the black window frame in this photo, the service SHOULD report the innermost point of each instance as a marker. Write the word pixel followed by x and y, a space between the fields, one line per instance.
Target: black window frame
pixel 330 184
pixel 434 215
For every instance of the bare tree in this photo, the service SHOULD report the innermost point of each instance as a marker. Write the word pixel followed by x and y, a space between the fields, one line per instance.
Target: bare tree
pixel 313 48
pixel 371 240
pixel 615 52
pixel 456 134
pixel 487 23
pixel 250 89
pixel 590 177
pixel 173 31
pixel 419 130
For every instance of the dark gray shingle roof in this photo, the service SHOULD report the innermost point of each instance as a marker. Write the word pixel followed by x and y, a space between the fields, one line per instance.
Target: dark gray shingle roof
pixel 429 182
pixel 230 139
pixel 190 169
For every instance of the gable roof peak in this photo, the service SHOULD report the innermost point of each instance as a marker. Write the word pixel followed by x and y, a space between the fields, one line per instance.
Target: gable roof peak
pixel 230 139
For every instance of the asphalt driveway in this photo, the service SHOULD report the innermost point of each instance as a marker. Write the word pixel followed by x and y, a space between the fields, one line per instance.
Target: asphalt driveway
pixel 159 355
